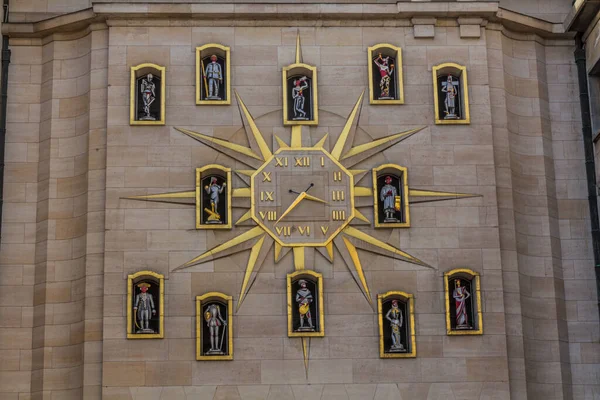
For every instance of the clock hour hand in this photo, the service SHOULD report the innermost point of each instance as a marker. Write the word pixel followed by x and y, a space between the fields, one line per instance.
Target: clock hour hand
pixel 313 198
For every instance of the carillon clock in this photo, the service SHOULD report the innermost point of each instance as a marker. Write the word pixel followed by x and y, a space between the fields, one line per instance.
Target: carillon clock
pixel 302 197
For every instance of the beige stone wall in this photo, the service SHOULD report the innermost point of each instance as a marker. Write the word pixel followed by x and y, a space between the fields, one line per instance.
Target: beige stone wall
pixel 549 10
pixel 70 239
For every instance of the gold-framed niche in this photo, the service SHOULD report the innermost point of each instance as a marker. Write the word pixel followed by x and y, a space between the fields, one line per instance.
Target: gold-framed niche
pixel 451 78
pixel 147 83
pixel 154 299
pixel 214 310
pixel 386 81
pixel 396 317
pixel 204 57
pixel 305 304
pixel 462 290
pixel 209 215
pixel 300 90
pixel 397 176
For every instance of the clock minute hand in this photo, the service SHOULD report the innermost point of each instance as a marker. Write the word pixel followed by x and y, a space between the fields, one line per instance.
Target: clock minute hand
pixel 300 197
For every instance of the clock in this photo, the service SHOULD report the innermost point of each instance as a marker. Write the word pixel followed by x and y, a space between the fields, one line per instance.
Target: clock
pixel 302 197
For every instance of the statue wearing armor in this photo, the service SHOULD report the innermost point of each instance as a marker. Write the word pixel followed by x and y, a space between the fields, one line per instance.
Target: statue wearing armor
pixel 214 320
pixel 450 88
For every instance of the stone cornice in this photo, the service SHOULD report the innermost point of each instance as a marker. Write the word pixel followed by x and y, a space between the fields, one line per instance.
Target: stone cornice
pixel 294 14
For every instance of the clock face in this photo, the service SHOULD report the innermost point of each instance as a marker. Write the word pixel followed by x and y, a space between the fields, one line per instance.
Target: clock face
pixel 302 197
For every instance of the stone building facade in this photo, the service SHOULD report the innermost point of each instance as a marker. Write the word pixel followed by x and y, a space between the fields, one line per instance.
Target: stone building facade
pixel 70 238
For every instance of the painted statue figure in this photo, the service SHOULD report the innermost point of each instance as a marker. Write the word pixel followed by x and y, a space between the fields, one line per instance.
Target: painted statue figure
pixel 304 297
pixel 298 96
pixel 214 190
pixel 388 195
pixel 148 89
pixel 143 309
pixel 450 88
pixel 214 320
pixel 385 72
pixel 461 294
pixel 394 315
pixel 214 74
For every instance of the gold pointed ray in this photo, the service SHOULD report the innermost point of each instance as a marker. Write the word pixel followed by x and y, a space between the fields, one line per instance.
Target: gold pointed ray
pixel 258 137
pixel 361 152
pixel 164 197
pixel 326 251
pixel 320 143
pixel 306 352
pixel 298 49
pixel 358 266
pixel 247 215
pixel 374 245
pixel 280 251
pixel 281 143
pixel 360 216
pixel 296 136
pixel 209 254
pixel 299 258
pixel 241 192
pixel 247 283
pixel 341 142
pixel 329 248
pixel 350 257
pixel 360 191
pixel 434 195
pixel 241 153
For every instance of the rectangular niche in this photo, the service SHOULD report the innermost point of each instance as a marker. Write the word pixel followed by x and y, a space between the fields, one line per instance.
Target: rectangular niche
pixel 300 95
pixel 462 290
pixel 451 94
pixel 386 84
pixel 213 182
pixel 213 75
pixel 396 315
pixel 214 327
pixel 147 95
pixel 145 305
pixel 305 304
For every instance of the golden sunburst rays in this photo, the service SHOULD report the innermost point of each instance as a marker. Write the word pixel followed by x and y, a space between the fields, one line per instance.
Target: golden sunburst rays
pixel 259 242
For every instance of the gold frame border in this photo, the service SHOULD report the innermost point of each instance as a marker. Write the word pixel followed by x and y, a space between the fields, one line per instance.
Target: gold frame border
pixel 163 94
pixel 284 74
pixel 199 172
pixel 161 308
pixel 411 306
pixel 476 277
pixel 400 88
pixel 199 300
pixel 319 277
pixel 271 233
pixel 405 191
pixel 464 87
pixel 227 51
